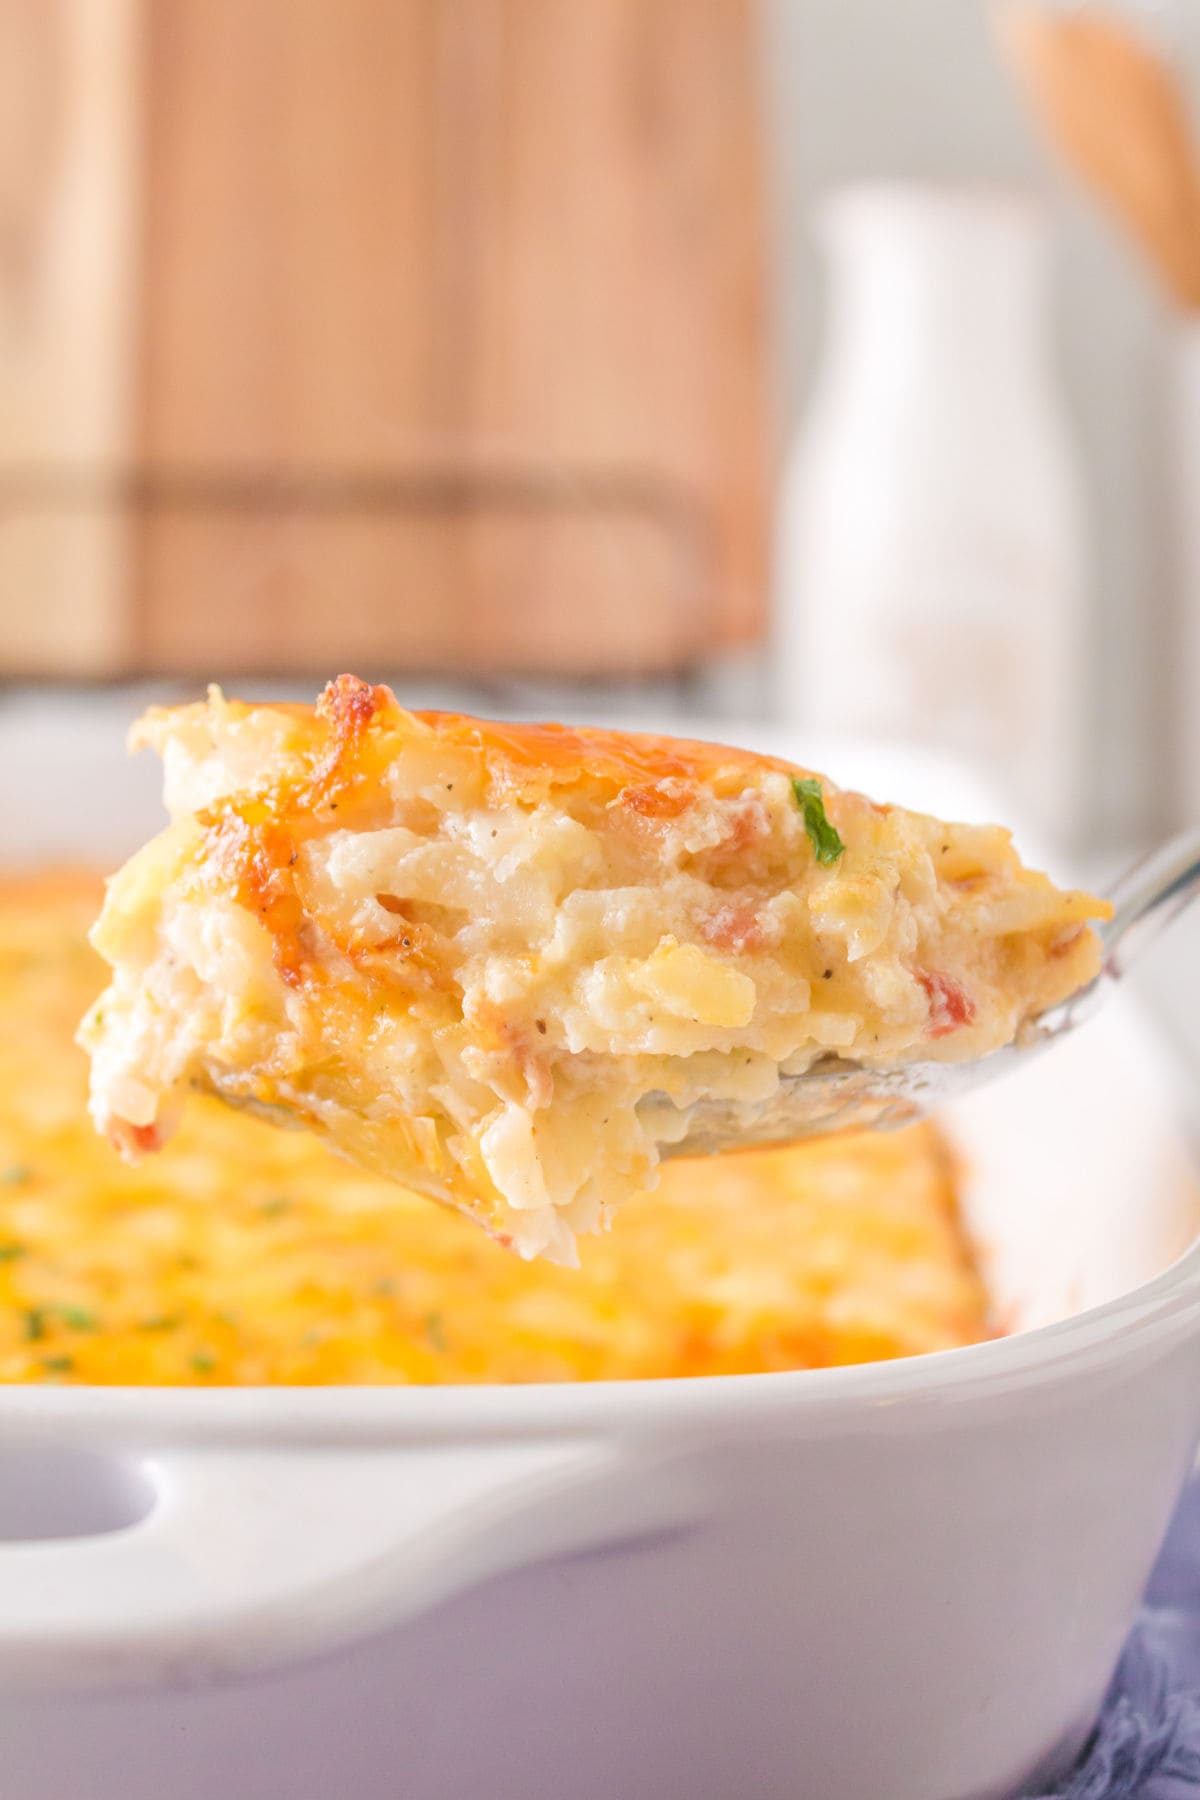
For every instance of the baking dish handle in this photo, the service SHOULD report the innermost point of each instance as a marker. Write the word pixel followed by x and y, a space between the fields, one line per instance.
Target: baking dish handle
pixel 248 1560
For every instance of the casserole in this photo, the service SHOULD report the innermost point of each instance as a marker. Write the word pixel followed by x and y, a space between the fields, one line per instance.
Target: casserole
pixel 905 1580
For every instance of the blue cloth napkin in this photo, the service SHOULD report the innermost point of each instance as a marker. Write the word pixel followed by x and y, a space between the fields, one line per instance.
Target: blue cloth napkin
pixel 1147 1743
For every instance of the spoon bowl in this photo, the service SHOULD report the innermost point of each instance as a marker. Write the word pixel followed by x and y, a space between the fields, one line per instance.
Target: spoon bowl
pixel 836 1095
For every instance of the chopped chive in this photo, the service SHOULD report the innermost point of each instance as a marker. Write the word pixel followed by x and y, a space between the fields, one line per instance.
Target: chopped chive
pixel 822 835
pixel 78 1318
pixel 435 1331
pixel 58 1365
pixel 203 1362
pixel 35 1323
pixel 10 1252
pixel 271 1209
pixel 161 1322
pixel 15 1174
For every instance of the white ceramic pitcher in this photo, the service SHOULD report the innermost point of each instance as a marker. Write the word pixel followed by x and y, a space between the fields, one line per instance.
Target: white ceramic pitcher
pixel 931 580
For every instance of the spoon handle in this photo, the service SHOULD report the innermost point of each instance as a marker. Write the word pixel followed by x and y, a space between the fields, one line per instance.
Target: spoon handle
pixel 1147 897
pixel 1144 900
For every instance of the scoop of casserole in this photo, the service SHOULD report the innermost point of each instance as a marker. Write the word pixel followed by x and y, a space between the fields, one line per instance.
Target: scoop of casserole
pixel 500 962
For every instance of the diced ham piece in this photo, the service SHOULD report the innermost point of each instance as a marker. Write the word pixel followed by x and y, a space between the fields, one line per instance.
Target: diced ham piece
pixel 737 928
pixel 949 1007
pixel 134 1140
pixel 660 800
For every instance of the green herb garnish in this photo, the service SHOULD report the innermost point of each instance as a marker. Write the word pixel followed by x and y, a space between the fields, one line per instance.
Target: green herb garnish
pixel 435 1332
pixel 10 1252
pixel 823 836
pixel 203 1362
pixel 15 1174
pixel 35 1323
pixel 78 1318
pixel 271 1209
pixel 161 1322
pixel 58 1365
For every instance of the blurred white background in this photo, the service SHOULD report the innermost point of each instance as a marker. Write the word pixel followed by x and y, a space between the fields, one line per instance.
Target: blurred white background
pixel 855 88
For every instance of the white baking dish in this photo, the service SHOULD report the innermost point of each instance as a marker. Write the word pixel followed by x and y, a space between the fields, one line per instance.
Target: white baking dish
pixel 905 1581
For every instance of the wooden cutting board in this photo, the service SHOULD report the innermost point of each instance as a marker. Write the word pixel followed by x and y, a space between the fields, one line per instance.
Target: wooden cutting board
pixel 415 334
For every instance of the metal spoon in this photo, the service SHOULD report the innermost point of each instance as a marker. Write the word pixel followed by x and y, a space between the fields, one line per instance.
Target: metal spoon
pixel 834 1094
